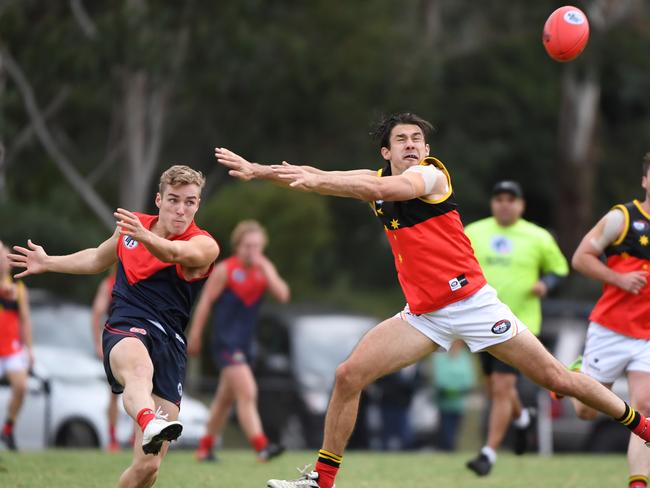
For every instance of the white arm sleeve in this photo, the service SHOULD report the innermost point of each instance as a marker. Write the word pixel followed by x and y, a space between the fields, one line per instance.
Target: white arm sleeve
pixel 614 226
pixel 429 174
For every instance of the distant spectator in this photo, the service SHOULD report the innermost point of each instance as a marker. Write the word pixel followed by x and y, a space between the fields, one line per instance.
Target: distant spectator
pixel 453 379
pixel 16 356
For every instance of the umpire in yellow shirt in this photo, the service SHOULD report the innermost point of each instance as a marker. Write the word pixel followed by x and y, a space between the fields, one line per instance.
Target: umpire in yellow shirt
pixel 523 263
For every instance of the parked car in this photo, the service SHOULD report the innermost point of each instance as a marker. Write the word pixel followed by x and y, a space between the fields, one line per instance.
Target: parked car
pixel 68 394
pixel 299 350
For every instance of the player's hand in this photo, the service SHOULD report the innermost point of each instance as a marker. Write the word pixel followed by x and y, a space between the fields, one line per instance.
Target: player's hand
pixel 296 176
pixel 32 258
pixel 99 350
pixel 632 282
pixel 539 289
pixel 237 166
pixel 130 225
pixel 30 358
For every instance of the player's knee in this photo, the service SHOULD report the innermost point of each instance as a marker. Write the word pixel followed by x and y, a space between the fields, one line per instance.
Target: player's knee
pixel 347 379
pixel 146 469
pixel 583 412
pixel 20 388
pixel 502 385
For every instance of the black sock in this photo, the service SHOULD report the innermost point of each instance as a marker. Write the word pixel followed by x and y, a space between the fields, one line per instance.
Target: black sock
pixel 630 418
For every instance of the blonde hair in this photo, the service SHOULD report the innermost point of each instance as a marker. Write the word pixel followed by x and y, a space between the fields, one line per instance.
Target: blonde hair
pixel 245 227
pixel 180 174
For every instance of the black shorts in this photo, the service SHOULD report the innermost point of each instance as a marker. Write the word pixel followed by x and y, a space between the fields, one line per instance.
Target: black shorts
pixel 490 365
pixel 229 356
pixel 166 349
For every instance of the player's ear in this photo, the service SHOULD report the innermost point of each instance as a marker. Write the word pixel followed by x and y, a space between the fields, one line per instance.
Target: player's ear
pixel 158 199
pixel 385 153
pixel 427 149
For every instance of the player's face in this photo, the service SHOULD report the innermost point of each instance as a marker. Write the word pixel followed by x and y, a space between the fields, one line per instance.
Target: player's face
pixel 177 205
pixel 407 147
pixel 507 208
pixel 250 247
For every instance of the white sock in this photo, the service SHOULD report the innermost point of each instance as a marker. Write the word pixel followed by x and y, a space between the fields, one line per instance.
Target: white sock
pixel 489 453
pixel 523 420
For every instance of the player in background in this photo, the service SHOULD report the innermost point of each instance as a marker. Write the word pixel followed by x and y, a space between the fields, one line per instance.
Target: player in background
pixel 16 357
pixel 618 338
pixel 234 292
pixel 523 263
pixel 162 262
pixel 99 311
pixel 446 293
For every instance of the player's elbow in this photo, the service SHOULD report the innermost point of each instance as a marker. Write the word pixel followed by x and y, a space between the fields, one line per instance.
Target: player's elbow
pixel 577 261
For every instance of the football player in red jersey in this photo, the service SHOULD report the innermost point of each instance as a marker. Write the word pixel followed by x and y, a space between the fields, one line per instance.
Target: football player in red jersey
pixel 15 343
pixel 618 338
pixel 235 291
pixel 162 262
pixel 446 294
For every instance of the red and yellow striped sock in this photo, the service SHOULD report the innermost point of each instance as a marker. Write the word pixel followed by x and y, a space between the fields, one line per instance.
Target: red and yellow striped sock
pixel 327 467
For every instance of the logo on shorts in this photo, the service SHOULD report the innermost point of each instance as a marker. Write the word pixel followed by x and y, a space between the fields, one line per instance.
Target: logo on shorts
pixel 180 389
pixel 501 327
pixel 138 330
pixel 129 242
pixel 640 225
pixel 239 357
pixel 458 282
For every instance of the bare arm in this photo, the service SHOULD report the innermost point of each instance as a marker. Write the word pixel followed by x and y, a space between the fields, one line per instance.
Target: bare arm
pixel 367 187
pixel 25 319
pixel 99 308
pixel 212 289
pixel 89 261
pixel 243 169
pixel 277 286
pixel 199 252
pixel 586 258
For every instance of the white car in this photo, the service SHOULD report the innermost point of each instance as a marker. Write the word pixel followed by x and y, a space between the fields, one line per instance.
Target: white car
pixel 68 395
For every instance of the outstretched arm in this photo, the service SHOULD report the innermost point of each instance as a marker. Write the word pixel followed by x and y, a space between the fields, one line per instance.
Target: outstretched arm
pixel 100 306
pixel 35 260
pixel 277 286
pixel 243 169
pixel 416 182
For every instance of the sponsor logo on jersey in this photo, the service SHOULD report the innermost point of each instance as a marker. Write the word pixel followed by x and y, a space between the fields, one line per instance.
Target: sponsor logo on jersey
pixel 501 245
pixel 138 330
pixel 129 242
pixel 640 225
pixel 238 275
pixel 501 327
pixel 458 282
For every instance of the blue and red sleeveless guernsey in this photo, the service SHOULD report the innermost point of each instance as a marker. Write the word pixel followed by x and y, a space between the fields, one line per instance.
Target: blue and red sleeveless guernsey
pixel 10 342
pixel 434 258
pixel 617 309
pixel 150 289
pixel 235 312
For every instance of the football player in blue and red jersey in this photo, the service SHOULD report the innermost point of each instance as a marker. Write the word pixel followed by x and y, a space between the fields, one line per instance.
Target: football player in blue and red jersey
pixel 446 293
pixel 162 262
pixel 234 292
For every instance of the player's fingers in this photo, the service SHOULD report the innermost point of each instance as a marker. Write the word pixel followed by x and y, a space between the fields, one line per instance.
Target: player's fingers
pixel 22 250
pixel 17 258
pixel 32 245
pixel 21 275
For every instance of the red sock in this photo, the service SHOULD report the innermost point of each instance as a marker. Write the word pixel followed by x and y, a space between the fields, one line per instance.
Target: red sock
pixel 326 474
pixel 145 416
pixel 259 442
pixel 8 428
pixel 111 433
pixel 206 442
pixel 638 481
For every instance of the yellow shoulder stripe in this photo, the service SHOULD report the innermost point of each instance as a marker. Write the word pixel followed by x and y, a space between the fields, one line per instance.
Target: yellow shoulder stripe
pixel 430 160
pixel 626 214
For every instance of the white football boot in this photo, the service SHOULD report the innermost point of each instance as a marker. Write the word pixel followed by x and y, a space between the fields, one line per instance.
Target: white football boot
pixel 307 480
pixel 159 430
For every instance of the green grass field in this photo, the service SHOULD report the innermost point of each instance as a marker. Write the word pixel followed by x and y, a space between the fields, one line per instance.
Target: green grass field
pixel 238 469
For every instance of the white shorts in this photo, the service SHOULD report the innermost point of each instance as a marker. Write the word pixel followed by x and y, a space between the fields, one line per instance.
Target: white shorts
pixel 608 354
pixel 480 320
pixel 14 362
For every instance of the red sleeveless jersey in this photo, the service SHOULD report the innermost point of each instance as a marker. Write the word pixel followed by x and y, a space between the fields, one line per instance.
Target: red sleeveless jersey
pixel 10 342
pixel 617 309
pixel 434 258
pixel 247 283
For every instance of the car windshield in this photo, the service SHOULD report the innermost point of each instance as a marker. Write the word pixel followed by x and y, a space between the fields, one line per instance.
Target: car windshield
pixel 63 325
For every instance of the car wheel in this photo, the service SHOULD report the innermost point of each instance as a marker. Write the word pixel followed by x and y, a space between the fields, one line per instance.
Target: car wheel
pixel 76 433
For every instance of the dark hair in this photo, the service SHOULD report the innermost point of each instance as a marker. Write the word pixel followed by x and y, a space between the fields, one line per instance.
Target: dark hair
pixel 646 163
pixel 381 131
